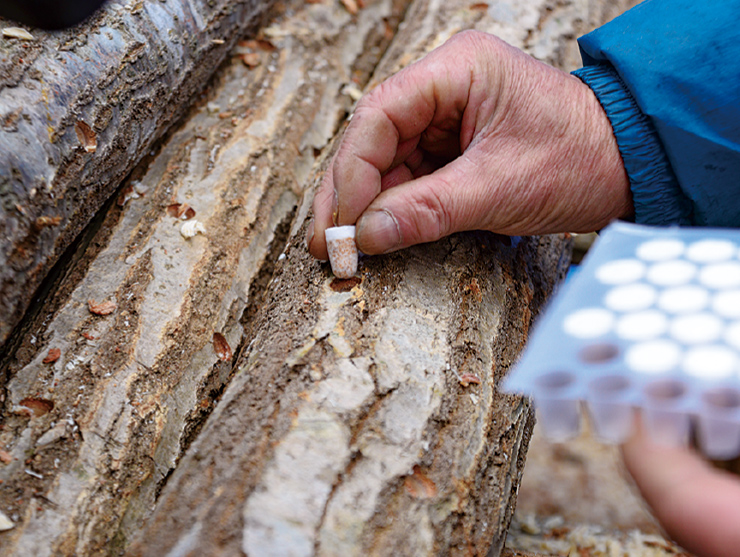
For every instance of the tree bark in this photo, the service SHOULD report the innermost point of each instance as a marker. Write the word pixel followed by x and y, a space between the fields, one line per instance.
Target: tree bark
pixel 94 434
pixel 355 425
pixel 350 417
pixel 366 418
pixel 79 108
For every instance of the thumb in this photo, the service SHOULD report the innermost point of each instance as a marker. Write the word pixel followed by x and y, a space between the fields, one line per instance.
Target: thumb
pixel 425 209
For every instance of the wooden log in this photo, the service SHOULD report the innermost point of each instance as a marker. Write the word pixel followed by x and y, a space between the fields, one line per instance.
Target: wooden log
pixel 365 417
pixel 105 424
pixel 99 406
pixel 78 110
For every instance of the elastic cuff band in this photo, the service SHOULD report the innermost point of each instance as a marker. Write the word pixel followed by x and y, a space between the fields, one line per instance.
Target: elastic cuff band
pixel 656 195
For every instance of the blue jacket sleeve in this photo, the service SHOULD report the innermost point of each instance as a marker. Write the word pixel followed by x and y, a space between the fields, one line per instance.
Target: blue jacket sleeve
pixel 668 76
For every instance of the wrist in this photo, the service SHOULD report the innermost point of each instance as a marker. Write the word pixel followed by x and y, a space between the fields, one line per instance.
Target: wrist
pixel 603 166
pixel 656 194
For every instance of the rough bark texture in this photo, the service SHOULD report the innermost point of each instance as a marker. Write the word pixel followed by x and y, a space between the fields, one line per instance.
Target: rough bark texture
pixel 131 388
pixel 347 430
pixel 348 414
pixel 79 108
pixel 355 425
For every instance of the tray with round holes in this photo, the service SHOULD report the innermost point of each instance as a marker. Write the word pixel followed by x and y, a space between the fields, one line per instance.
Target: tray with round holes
pixel 651 321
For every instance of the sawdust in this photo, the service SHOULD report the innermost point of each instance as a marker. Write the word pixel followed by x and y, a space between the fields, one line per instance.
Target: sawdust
pixel 576 499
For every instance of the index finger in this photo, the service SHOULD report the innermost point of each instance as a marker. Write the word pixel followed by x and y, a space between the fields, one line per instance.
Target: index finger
pixel 431 92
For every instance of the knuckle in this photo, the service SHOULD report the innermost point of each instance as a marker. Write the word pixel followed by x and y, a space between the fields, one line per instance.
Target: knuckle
pixel 432 215
pixel 468 35
pixel 471 38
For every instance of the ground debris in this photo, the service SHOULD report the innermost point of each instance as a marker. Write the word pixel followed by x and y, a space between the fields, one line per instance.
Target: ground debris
pixel 530 534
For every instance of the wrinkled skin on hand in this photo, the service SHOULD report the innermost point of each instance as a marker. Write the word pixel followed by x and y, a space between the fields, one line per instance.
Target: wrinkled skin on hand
pixel 697 505
pixel 476 135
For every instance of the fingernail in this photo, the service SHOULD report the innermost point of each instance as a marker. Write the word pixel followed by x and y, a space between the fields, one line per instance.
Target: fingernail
pixel 335 208
pixel 378 232
pixel 309 234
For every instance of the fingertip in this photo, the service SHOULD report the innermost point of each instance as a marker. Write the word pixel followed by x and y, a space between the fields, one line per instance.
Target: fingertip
pixel 322 219
pixel 310 230
pixel 315 242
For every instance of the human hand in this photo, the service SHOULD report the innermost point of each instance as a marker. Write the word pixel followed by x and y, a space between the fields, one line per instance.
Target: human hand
pixel 699 506
pixel 476 135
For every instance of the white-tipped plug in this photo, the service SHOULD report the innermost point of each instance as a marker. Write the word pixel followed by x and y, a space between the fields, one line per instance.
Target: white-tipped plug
pixel 340 243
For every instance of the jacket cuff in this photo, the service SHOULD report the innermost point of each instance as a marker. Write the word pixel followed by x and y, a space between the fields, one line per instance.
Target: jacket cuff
pixel 656 195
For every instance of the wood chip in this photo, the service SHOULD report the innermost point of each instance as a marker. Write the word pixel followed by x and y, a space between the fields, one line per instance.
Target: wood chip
pixel 222 348
pixel 351 6
pixel 251 59
pixel 267 46
pixel 258 44
pixel 388 31
pixel 180 211
pixel 479 7
pixel 103 308
pixel 37 406
pixel 17 33
pixel 47 222
pixel 352 91
pixel 419 486
pixel 5 457
pixel 191 228
pixel 87 137
pixel 140 188
pixel 52 356
pixel 53 435
pixel 468 378
pixel 5 522
pixel 127 193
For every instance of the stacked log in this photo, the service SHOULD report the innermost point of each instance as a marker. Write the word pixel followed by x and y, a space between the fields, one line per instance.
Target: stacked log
pixel 147 320
pixel 197 384
pixel 81 107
